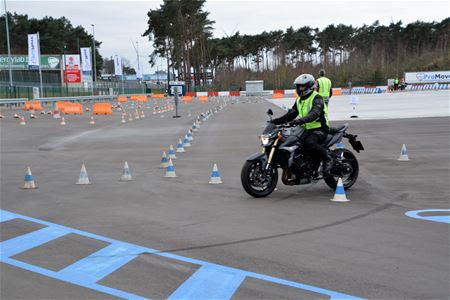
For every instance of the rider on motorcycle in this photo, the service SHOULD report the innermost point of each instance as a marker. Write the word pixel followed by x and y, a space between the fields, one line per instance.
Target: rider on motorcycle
pixel 312 115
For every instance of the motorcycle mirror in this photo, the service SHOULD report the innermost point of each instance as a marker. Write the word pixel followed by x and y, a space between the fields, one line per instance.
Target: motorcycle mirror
pixel 270 112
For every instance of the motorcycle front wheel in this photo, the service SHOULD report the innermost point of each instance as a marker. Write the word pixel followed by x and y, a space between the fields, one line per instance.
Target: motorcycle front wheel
pixel 256 181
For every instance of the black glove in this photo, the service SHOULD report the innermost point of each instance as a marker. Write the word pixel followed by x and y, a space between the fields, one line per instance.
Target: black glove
pixel 297 122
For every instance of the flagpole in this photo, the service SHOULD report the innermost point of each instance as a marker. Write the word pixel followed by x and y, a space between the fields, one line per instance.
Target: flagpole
pixel 40 69
pixel 9 48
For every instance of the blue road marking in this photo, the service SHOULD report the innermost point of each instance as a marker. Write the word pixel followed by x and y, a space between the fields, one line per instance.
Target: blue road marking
pixel 30 240
pixel 416 214
pixel 198 286
pixel 211 281
pixel 101 263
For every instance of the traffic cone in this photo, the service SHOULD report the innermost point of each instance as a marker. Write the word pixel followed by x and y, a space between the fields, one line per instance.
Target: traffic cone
pixel 56 114
pixel 403 154
pixel 339 195
pixel 123 119
pixel 87 109
pixel 136 115
pixel 16 116
pixel 1 116
pixel 49 112
pixel 186 142
pixel 32 116
pixel 126 175
pixel 170 171
pixel 42 112
pixel 29 182
pixel 190 135
pixel 172 152
pixel 164 161
pixel 22 121
pixel 92 121
pixel 215 176
pixel 195 127
pixel 130 117
pixel 142 114
pixel 83 179
pixel 63 122
pixel 180 148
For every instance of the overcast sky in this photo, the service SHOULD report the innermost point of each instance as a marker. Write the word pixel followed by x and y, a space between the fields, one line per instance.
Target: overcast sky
pixel 117 23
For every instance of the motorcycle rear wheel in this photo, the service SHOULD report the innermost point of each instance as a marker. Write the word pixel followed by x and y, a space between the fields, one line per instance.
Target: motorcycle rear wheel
pixel 349 180
pixel 254 182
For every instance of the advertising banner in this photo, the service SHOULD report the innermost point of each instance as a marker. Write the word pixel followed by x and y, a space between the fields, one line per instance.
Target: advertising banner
pixel 427 77
pixel 72 72
pixel 117 65
pixel 20 62
pixel 33 51
pixel 138 71
pixel 86 59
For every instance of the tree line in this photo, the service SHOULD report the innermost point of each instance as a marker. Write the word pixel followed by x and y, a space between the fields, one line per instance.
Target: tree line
pixel 181 32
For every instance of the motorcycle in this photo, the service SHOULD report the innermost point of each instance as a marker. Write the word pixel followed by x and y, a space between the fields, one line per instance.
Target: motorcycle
pixel 282 149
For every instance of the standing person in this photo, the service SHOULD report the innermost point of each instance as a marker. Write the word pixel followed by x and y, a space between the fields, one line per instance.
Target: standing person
pixel 324 87
pixel 312 115
pixel 396 84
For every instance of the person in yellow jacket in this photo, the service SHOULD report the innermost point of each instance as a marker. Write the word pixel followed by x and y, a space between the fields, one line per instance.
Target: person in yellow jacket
pixel 312 115
pixel 324 87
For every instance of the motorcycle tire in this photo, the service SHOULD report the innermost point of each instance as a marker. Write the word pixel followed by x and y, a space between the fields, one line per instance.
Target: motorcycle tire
pixel 347 181
pixel 249 187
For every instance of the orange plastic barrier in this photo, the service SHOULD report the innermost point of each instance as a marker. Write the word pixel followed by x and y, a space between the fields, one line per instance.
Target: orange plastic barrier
pixel 32 105
pixel 102 109
pixel 278 91
pixel 122 99
pixel 61 104
pixel 187 99
pixel 139 98
pixel 192 94
pixel 277 95
pixel 73 109
pixel 213 94
pixel 203 99
pixel 157 96
pixel 337 92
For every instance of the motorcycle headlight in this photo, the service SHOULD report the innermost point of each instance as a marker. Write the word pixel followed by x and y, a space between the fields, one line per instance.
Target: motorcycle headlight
pixel 264 139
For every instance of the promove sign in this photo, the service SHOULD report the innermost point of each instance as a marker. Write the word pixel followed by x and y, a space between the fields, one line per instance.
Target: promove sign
pixel 427 77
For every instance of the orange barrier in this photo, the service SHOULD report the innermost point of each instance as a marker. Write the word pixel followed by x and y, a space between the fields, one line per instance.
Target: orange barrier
pixel 192 94
pixel 122 99
pixel 102 109
pixel 61 104
pixel 337 92
pixel 187 99
pixel 278 91
pixel 203 99
pixel 73 109
pixel 139 98
pixel 157 96
pixel 32 105
pixel 235 93
pixel 277 95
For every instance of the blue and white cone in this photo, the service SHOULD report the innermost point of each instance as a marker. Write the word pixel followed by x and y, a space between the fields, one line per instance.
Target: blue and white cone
pixel 126 175
pixel 215 176
pixel 29 182
pixel 83 179
pixel 180 148
pixel 170 171
pixel 190 135
pixel 164 161
pixel 403 154
pixel 186 142
pixel 195 127
pixel 172 153
pixel 339 195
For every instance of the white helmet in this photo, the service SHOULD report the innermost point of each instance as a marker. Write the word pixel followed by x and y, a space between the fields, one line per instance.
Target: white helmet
pixel 307 81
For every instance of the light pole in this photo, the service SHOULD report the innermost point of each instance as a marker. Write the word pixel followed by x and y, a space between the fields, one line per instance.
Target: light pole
pixel 94 76
pixel 9 48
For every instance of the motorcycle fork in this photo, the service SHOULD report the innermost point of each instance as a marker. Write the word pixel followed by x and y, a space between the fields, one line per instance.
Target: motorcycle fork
pixel 272 151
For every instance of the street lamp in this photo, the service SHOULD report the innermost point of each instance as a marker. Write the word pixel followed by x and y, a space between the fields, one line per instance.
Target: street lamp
pixel 94 76
pixel 9 48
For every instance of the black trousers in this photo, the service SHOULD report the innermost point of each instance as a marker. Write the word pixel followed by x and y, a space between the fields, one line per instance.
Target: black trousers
pixel 313 144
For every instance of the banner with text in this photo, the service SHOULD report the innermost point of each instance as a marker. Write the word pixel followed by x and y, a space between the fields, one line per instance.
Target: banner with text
pixel 427 77
pixel 117 65
pixel 72 68
pixel 33 51
pixel 86 59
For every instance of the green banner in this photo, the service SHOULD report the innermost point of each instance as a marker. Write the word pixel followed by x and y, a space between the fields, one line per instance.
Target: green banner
pixel 20 62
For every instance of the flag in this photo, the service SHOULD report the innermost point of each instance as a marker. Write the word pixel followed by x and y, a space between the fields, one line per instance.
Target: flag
pixel 33 51
pixel 138 71
pixel 86 59
pixel 117 65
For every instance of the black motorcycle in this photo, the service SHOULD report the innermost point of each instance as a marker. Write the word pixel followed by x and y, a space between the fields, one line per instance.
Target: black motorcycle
pixel 282 148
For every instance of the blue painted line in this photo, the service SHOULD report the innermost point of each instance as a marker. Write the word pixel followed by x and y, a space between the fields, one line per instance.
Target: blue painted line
pixel 119 253
pixel 209 283
pixel 30 240
pixel 101 263
pixel 76 281
pixel 442 219
pixel 6 216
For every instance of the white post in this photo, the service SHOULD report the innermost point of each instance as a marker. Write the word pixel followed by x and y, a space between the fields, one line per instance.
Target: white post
pixel 40 68
pixel 9 48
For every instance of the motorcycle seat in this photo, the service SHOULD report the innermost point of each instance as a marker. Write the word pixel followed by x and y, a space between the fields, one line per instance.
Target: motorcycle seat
pixel 334 130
